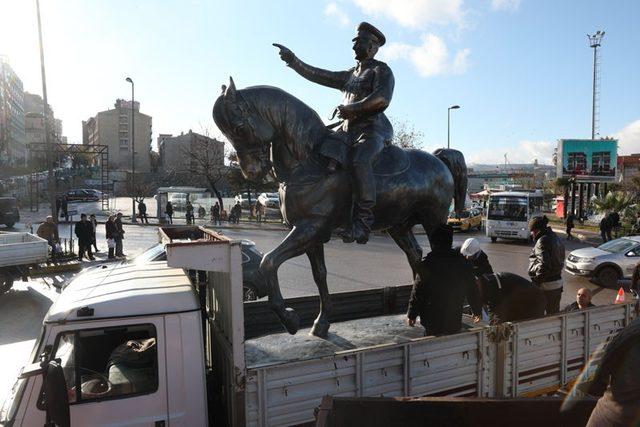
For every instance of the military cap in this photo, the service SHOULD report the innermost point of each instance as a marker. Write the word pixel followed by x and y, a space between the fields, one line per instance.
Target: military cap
pixel 368 31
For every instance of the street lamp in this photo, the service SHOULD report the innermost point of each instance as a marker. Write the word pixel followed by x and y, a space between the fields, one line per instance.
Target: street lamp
pixel 132 133
pixel 453 107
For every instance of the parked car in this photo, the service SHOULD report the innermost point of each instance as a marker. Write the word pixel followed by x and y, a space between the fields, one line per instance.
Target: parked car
pixel 608 263
pixel 81 196
pixel 9 213
pixel 465 220
pixel 273 200
pixel 97 193
pixel 252 286
pixel 179 201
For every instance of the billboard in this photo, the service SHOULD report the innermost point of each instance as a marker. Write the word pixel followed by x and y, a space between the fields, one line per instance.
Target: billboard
pixel 592 160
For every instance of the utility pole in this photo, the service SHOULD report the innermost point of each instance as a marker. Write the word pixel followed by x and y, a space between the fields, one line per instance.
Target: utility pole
pixel 132 133
pixel 47 138
pixel 453 107
pixel 594 42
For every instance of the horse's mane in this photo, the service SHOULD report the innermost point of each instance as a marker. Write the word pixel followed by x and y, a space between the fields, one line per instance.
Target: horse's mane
pixel 298 122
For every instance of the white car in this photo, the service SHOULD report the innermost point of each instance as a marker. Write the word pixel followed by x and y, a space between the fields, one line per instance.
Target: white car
pixel 608 263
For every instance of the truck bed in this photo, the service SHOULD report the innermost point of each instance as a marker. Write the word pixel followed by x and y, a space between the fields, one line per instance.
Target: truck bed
pixel 349 335
pixel 22 249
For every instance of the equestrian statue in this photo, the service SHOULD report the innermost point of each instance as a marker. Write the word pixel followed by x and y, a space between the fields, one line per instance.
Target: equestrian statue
pixel 351 179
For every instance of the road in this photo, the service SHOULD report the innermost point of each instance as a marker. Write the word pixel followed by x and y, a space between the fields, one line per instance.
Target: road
pixel 350 267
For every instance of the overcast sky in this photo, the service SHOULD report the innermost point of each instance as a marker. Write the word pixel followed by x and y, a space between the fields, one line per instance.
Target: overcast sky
pixel 521 70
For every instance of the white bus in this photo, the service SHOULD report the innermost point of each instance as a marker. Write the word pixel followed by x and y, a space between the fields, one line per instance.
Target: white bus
pixel 509 212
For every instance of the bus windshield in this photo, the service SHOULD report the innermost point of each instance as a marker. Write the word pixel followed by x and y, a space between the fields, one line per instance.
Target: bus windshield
pixel 508 208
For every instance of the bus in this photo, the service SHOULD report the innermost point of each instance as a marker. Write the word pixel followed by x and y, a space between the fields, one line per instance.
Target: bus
pixel 509 212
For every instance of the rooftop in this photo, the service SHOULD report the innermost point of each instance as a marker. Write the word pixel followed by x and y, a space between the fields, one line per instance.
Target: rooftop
pixel 117 290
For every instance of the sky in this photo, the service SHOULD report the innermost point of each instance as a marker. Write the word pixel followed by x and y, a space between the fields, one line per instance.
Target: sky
pixel 521 70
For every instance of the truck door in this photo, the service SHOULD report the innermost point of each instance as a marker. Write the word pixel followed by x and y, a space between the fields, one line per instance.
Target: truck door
pixel 115 372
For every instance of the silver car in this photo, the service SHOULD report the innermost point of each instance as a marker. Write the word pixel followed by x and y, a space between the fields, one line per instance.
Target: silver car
pixel 607 263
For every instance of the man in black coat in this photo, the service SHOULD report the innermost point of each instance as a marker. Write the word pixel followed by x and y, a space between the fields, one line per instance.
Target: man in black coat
pixel 546 262
pixel 142 212
pixel 510 297
pixel 84 233
pixel 583 300
pixel 440 286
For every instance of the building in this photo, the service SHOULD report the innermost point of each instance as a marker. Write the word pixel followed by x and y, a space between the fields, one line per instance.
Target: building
pixel 13 149
pixel 112 128
pixel 526 176
pixel 34 121
pixel 177 153
pixel 628 166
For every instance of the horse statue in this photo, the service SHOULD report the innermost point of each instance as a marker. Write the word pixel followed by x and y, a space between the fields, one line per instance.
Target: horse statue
pixel 277 136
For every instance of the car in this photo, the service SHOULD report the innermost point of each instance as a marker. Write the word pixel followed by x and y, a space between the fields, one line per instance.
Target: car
pixel 465 220
pixel 98 193
pixel 81 196
pixel 273 200
pixel 179 201
pixel 607 263
pixel 9 213
pixel 253 287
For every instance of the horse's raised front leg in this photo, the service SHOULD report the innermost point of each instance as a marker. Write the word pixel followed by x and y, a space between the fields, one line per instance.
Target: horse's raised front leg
pixel 298 241
pixel 316 258
pixel 405 239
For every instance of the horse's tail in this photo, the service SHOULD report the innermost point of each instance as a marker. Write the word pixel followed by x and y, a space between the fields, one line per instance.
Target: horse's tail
pixel 454 160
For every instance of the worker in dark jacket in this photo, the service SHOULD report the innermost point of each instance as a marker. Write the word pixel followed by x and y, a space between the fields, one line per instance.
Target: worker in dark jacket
pixel 546 262
pixel 470 249
pixel 84 232
pixel 510 297
pixel 110 233
pixel 440 286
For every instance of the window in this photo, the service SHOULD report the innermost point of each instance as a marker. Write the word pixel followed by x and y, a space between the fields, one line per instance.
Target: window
pixel 109 363
pixel 124 142
pixel 600 163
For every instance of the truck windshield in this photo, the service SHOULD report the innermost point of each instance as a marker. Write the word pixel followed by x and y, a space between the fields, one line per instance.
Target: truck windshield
pixel 508 208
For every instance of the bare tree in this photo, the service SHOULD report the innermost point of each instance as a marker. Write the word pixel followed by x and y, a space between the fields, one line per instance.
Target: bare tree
pixel 405 135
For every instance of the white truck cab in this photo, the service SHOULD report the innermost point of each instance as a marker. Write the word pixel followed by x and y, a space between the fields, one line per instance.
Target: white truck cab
pixel 129 343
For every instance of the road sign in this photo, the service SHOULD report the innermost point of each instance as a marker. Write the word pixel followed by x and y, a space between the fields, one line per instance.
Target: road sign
pixel 72 212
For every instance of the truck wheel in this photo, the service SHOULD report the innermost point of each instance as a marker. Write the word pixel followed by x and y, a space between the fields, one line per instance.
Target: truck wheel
pixel 494 239
pixel 608 277
pixel 6 282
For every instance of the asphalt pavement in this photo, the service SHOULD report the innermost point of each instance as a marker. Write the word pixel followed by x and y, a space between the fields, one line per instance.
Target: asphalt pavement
pixel 350 267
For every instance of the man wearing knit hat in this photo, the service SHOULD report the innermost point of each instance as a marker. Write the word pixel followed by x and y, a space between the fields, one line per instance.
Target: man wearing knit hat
pixel 546 262
pixel 367 90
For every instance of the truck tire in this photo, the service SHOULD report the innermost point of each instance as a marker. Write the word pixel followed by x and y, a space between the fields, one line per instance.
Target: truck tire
pixel 494 239
pixel 6 281
pixel 608 277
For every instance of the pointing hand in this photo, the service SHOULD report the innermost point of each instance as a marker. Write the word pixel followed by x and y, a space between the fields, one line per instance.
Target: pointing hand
pixel 285 53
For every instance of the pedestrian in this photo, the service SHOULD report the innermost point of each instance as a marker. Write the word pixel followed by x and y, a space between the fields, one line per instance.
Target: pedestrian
pixel 236 211
pixel 215 214
pixel 142 212
pixel 64 206
pixel 58 205
pixel 258 209
pixel 94 227
pixel 546 262
pixel 168 210
pixel 605 228
pixel 583 300
pixel 510 298
pixel 189 213
pixel 119 235
pixel 479 260
pixel 441 282
pixel 201 211
pixel 110 231
pixel 48 231
pixel 614 221
pixel 570 225
pixel 83 233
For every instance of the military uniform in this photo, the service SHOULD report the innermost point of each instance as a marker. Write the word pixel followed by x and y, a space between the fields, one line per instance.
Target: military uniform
pixel 367 91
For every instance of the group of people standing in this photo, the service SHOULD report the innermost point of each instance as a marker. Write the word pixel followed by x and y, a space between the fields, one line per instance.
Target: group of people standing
pixel 215 211
pixel 447 276
pixel 85 231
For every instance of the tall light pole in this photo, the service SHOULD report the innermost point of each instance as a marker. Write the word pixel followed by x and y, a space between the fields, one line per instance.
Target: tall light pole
pixel 594 43
pixel 453 107
pixel 47 138
pixel 132 134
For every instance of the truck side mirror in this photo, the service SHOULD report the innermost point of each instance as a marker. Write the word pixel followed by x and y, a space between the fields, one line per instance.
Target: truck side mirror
pixel 56 399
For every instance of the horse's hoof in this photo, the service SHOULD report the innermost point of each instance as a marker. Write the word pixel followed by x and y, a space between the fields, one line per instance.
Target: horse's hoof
pixel 320 329
pixel 291 320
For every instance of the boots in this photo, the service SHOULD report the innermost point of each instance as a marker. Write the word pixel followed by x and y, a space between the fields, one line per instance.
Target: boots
pixel 366 201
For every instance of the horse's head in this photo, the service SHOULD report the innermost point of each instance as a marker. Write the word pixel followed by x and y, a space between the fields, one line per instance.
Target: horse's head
pixel 249 133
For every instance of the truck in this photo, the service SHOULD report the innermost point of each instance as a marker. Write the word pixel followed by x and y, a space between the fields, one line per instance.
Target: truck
pixel 18 253
pixel 156 344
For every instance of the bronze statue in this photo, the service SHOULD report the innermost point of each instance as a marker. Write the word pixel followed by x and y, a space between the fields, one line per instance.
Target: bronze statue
pixel 367 90
pixel 276 135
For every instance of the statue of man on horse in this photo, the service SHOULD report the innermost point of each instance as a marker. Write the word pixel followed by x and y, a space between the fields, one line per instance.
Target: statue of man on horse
pixel 367 90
